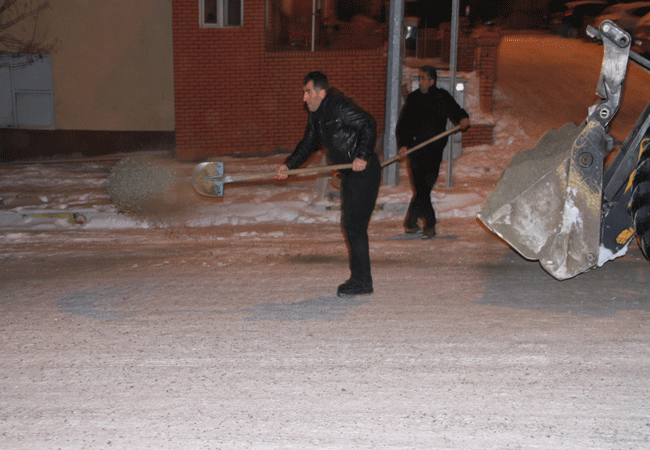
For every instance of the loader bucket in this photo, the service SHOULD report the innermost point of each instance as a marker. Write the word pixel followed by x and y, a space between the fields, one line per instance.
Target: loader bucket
pixel 547 204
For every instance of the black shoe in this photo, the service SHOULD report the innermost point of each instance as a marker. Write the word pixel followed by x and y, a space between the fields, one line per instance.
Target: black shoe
pixel 352 288
pixel 428 233
pixel 412 230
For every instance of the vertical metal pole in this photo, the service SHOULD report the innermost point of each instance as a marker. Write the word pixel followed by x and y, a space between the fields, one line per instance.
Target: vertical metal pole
pixel 313 25
pixel 393 87
pixel 452 76
pixel 424 39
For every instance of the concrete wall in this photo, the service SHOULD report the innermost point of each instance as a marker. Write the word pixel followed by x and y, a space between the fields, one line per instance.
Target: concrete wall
pixel 112 66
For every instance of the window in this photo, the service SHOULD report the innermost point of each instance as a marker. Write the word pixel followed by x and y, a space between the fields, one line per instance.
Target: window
pixel 310 25
pixel 221 13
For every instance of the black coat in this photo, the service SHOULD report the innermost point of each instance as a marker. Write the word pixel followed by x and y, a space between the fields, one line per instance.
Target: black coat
pixel 425 116
pixel 342 127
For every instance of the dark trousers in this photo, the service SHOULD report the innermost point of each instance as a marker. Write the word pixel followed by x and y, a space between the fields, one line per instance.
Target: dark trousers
pixel 425 166
pixel 359 192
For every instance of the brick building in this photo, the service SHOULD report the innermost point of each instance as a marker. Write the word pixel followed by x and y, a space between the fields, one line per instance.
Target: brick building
pixel 179 75
pixel 236 93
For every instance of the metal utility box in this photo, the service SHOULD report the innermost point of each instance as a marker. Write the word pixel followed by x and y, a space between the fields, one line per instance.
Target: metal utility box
pixel 26 98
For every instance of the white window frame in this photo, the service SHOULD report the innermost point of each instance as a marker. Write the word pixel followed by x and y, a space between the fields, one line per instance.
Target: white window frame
pixel 222 14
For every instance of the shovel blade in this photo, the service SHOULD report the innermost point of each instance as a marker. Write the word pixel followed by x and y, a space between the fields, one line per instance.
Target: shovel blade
pixel 208 179
pixel 547 205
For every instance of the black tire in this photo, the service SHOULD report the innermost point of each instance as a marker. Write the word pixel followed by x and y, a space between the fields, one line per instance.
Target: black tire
pixel 640 203
pixel 573 33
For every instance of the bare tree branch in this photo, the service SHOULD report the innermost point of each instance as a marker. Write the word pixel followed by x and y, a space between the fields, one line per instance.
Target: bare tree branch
pixel 14 13
pixel 9 16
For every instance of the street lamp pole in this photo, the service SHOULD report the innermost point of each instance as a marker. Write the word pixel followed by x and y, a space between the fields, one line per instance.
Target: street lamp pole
pixel 453 52
pixel 393 87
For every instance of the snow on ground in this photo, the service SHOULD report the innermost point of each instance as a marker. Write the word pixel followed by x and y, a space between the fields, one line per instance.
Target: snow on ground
pixel 528 100
pixel 71 192
pixel 231 337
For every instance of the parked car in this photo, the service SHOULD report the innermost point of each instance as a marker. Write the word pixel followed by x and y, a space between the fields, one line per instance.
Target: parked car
pixel 572 18
pixel 625 15
pixel 641 43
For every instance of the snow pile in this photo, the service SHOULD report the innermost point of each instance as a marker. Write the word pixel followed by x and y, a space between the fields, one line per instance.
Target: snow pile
pixel 140 185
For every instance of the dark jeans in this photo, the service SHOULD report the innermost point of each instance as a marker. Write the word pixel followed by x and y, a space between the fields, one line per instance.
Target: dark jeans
pixel 425 166
pixel 358 197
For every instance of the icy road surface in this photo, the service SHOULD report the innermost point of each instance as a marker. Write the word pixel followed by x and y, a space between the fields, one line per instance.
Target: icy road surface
pixel 216 326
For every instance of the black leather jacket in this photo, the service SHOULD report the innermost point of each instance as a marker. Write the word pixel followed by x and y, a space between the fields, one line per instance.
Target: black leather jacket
pixel 342 127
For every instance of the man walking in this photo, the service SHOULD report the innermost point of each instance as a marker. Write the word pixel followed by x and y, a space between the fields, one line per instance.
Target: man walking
pixel 424 116
pixel 348 133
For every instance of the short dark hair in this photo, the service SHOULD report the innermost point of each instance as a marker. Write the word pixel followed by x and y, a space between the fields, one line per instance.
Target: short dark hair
pixel 431 72
pixel 319 79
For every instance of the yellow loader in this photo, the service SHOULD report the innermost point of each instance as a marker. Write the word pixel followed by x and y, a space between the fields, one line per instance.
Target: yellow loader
pixel 559 203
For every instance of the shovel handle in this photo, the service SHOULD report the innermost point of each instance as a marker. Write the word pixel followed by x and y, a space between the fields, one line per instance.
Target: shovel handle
pixel 269 175
pixel 384 164
pixel 419 146
pixel 332 168
pixel 317 169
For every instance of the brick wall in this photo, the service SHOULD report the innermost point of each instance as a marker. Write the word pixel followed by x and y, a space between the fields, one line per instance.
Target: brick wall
pixel 487 46
pixel 465 50
pixel 232 96
pixel 359 74
pixel 478 134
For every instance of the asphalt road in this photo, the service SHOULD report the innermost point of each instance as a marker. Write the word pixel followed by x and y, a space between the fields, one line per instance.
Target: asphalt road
pixel 230 337
pixel 551 81
pixel 233 339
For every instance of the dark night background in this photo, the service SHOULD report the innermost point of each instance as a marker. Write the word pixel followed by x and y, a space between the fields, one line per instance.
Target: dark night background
pixel 510 13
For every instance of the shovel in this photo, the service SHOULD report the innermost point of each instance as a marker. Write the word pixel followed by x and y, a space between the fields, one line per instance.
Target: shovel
pixel 208 178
